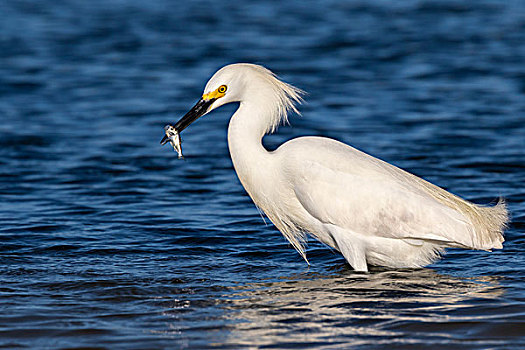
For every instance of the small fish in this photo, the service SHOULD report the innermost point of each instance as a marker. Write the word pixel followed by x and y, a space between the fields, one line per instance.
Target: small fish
pixel 172 135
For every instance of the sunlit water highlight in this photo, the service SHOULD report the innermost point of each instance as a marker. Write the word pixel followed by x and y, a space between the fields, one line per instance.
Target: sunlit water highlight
pixel 108 241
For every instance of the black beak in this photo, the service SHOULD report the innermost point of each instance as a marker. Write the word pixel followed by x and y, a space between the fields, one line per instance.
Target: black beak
pixel 200 108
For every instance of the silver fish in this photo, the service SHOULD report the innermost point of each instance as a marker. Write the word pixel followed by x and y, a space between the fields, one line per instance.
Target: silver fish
pixel 172 135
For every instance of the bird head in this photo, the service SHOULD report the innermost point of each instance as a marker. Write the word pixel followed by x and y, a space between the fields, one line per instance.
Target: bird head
pixel 242 82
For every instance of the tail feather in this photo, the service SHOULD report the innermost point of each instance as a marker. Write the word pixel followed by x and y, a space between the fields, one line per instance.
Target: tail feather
pixel 488 222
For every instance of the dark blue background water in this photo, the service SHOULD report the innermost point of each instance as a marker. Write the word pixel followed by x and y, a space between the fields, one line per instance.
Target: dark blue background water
pixel 108 241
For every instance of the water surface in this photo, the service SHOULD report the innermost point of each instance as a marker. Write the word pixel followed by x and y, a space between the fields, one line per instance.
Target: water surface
pixel 107 241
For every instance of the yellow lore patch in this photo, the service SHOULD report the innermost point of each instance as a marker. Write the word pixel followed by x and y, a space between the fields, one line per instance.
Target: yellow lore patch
pixel 218 93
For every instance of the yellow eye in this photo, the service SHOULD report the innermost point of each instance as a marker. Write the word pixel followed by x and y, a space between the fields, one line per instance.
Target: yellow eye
pixel 222 89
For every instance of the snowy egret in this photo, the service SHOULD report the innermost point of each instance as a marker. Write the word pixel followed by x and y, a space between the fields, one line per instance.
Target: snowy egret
pixel 372 212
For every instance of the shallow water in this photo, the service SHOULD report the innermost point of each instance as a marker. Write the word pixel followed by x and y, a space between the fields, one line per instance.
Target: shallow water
pixel 107 240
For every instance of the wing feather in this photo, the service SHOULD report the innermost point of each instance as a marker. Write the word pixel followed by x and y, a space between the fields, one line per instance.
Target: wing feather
pixel 367 198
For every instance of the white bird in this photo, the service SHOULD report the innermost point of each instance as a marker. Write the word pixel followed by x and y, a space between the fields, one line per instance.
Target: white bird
pixel 372 212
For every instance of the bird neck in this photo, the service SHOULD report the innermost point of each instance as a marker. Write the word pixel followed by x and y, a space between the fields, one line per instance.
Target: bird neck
pixel 250 159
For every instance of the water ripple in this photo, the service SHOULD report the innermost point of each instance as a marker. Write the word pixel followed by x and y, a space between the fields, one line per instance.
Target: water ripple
pixel 108 241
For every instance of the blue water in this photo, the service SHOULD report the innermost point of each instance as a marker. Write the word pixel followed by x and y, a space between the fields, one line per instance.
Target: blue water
pixel 107 241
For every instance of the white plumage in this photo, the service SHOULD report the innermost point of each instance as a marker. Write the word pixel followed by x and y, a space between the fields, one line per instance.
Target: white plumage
pixel 370 211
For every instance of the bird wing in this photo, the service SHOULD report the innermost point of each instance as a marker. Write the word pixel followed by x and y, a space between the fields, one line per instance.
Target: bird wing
pixel 367 197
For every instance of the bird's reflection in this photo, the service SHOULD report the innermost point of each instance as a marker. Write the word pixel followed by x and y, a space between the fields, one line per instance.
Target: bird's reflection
pixel 396 304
